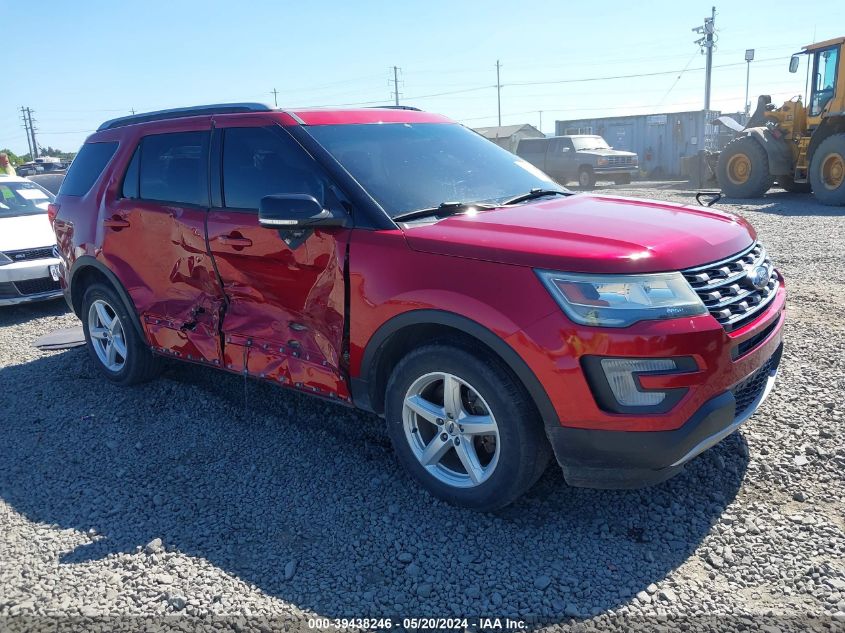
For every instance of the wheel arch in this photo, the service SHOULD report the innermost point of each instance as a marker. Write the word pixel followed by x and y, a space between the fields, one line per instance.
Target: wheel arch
pixel 405 331
pixel 87 270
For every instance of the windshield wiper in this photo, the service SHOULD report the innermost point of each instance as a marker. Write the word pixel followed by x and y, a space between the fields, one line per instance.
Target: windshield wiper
pixel 536 193
pixel 443 209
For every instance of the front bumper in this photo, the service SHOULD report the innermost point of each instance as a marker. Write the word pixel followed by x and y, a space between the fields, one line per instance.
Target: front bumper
pixel 631 459
pixel 27 281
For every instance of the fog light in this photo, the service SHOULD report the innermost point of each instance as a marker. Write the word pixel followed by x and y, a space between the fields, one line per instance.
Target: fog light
pixel 621 377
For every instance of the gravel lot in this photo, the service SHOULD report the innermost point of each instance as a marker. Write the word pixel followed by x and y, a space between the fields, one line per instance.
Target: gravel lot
pixel 176 498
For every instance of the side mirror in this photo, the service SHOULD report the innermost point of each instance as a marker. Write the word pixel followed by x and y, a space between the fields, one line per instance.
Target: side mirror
pixel 793 63
pixel 295 211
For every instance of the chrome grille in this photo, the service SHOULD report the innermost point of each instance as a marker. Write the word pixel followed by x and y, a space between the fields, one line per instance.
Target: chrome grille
pixel 726 288
pixel 31 253
pixel 620 161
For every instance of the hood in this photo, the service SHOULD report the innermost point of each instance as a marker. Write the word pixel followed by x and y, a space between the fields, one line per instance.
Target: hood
pixel 589 233
pixel 25 231
pixel 605 152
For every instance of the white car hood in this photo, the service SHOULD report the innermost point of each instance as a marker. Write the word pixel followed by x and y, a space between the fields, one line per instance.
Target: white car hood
pixel 25 231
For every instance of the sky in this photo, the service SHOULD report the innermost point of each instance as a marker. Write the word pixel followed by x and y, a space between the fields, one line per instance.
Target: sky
pixel 76 64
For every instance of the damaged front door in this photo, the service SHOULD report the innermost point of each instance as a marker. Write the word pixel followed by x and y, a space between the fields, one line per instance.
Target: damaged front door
pixel 158 223
pixel 285 290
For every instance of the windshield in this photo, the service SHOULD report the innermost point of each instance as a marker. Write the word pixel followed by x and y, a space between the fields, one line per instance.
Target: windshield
pixel 589 142
pixel 22 198
pixel 407 167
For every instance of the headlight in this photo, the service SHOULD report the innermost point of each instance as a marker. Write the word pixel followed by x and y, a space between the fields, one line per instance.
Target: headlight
pixel 4 260
pixel 635 160
pixel 601 162
pixel 621 300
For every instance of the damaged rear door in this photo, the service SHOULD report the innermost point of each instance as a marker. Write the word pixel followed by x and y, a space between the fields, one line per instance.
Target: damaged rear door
pixel 157 223
pixel 285 313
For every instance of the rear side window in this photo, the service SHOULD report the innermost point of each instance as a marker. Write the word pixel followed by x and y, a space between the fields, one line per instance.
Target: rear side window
pixel 86 168
pixel 531 148
pixel 174 168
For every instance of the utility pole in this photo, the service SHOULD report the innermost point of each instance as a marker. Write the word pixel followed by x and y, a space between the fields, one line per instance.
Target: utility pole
pixel 275 98
pixel 32 133
pixel 541 120
pixel 707 43
pixel 749 57
pixel 499 92
pixel 396 70
pixel 132 110
pixel 26 128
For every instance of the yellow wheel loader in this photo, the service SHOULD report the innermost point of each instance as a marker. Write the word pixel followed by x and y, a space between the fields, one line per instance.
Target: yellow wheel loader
pixel 801 147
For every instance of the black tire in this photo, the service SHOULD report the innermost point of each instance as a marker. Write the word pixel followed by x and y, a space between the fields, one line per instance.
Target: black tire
pixel 586 178
pixel 524 450
pixel 826 171
pixel 752 181
pixel 788 184
pixel 140 364
pixel 623 180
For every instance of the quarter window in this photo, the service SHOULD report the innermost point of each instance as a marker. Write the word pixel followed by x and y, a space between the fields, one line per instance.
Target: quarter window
pixel 86 168
pixel 173 168
pixel 130 180
pixel 260 161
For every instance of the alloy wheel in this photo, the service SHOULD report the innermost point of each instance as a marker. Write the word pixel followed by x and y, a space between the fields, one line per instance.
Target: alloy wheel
pixel 107 336
pixel 451 430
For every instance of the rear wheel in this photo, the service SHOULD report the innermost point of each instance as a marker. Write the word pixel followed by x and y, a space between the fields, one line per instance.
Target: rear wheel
pixel 113 343
pixel 827 171
pixel 788 184
pixel 464 428
pixel 586 178
pixel 743 169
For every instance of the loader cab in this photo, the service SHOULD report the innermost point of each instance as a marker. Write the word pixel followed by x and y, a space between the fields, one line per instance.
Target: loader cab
pixel 826 94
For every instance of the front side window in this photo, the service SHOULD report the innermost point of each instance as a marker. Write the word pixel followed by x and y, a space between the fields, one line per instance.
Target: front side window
pixel 825 80
pixel 411 166
pixel 174 168
pixel 263 161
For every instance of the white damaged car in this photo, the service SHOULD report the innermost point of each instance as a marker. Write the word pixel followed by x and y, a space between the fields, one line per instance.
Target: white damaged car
pixel 29 267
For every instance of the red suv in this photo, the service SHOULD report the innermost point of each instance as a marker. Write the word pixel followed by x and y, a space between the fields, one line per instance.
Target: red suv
pixel 393 260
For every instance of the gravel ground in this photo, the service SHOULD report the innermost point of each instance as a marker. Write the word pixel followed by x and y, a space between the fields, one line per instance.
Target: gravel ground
pixel 176 498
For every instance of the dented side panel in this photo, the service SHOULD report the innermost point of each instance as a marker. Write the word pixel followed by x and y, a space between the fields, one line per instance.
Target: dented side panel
pixel 162 261
pixel 285 315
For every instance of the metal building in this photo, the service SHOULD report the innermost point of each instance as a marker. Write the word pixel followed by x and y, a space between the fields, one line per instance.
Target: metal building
pixel 661 141
pixel 508 136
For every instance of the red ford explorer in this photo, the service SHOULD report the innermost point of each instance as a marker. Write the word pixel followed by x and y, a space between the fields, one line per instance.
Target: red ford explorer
pixel 393 260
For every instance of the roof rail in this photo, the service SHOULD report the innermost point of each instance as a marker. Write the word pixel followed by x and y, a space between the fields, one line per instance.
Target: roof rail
pixel 396 107
pixel 178 113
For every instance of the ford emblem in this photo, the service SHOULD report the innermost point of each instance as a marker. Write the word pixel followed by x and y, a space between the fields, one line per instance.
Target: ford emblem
pixel 758 277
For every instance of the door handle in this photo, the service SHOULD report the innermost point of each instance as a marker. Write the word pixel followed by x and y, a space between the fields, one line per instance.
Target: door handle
pixel 235 241
pixel 115 223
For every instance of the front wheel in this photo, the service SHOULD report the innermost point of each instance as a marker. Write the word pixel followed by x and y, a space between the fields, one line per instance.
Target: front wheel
pixel 743 169
pixel 113 343
pixel 827 171
pixel 464 428
pixel 586 178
